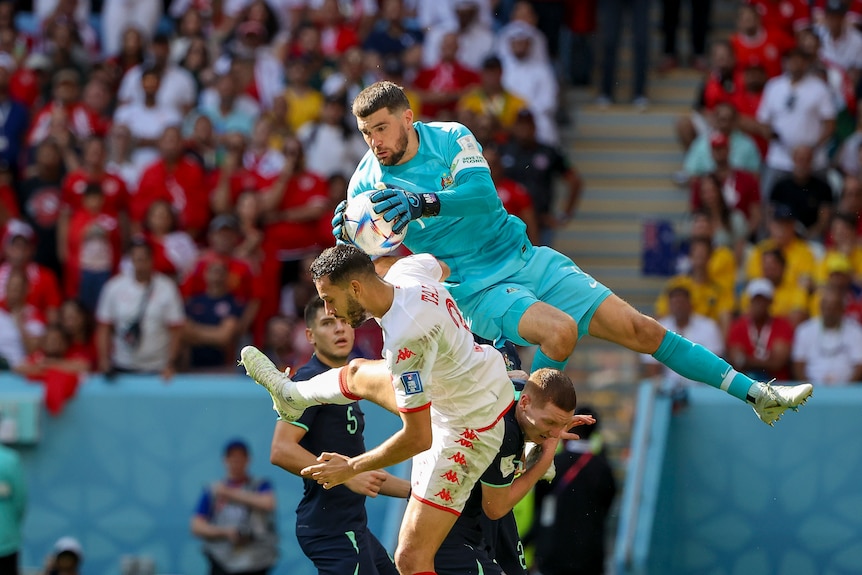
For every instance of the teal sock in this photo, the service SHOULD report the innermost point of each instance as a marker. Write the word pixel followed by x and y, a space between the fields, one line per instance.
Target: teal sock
pixel 541 360
pixel 694 361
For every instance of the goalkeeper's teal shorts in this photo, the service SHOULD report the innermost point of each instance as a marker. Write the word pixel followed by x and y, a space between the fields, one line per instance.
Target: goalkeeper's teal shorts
pixel 547 276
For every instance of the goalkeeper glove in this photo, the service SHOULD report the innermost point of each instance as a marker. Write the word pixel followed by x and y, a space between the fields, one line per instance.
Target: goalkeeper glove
pixel 338 222
pixel 400 207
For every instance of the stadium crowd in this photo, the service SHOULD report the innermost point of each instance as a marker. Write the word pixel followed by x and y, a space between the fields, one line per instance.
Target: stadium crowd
pixel 168 170
pixel 773 263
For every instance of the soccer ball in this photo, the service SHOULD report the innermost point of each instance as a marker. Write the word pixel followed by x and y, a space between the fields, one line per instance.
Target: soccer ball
pixel 367 230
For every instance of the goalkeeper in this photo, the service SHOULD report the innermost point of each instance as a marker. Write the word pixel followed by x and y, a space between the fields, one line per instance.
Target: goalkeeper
pixel 440 189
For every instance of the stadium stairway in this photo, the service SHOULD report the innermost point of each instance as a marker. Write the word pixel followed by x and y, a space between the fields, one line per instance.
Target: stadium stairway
pixel 626 158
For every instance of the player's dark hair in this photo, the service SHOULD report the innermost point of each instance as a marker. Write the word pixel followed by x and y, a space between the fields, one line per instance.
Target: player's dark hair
pixel 384 94
pixel 312 310
pixel 551 385
pixel 341 264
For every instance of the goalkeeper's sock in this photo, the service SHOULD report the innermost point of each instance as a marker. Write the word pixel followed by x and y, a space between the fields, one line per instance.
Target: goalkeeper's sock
pixel 695 362
pixel 328 387
pixel 541 360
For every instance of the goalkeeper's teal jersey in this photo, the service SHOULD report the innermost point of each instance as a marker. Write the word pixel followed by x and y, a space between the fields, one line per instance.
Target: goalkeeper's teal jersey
pixel 479 241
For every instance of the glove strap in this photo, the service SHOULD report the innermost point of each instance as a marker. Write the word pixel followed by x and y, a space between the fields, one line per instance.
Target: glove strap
pixel 430 204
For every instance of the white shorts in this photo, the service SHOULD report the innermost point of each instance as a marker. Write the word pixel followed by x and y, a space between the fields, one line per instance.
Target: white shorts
pixel 444 475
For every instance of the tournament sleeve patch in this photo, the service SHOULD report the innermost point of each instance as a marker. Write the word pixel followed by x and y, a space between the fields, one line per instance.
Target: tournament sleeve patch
pixel 507 466
pixel 412 382
pixel 468 143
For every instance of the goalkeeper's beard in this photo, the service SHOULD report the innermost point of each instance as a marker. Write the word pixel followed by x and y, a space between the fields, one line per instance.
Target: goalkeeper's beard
pixel 399 151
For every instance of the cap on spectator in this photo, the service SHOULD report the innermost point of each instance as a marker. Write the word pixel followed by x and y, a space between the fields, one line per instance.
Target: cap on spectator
pixel 37 61
pixel 69 544
pixel 782 213
pixel 235 443
pixel 677 284
pixel 18 229
pixel 836 6
pixel 224 222
pixel 719 140
pixel 492 63
pixel 520 31
pixel 335 98
pixel 760 287
pixel 837 263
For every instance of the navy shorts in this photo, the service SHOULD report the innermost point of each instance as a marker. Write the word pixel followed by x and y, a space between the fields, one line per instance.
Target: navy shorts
pixel 347 552
pixel 464 559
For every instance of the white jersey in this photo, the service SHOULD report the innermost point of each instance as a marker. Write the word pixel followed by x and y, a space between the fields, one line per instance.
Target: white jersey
pixel 432 355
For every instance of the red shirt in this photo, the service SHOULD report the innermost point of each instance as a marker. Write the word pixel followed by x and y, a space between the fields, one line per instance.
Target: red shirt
pixel 240 279
pixel 43 291
pixel 741 191
pixel 81 224
pixel 718 90
pixel 335 40
pixel 444 78
pixel 113 189
pixel 784 17
pixel 79 119
pixel 304 189
pixel 24 87
pixel 743 335
pixel 766 50
pixel 514 196
pixel 746 104
pixel 8 203
pixel 184 187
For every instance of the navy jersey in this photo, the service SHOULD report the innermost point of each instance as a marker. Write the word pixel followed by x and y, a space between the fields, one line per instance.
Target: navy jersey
pixel 336 428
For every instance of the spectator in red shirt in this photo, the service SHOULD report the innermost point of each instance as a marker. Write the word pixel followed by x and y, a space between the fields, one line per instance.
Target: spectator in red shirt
pixel 442 86
pixel 77 324
pixel 740 189
pixel 65 111
pixel 784 18
pixel 174 250
pixel 336 35
pixel 93 248
pixel 44 290
pixel 115 196
pixel 759 344
pixel 754 45
pixel 28 318
pixel 515 197
pixel 747 100
pixel 177 179
pixel 720 85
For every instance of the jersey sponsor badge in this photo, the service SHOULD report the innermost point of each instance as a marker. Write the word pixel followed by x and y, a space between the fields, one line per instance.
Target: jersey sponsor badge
pixel 403 354
pixel 412 383
pixel 507 465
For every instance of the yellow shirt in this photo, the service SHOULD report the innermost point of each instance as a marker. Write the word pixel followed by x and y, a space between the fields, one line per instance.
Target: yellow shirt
pixel 707 299
pixel 722 268
pixel 822 273
pixel 302 108
pixel 800 260
pixel 504 107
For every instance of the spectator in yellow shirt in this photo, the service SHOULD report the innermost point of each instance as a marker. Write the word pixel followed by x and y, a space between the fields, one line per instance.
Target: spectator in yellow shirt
pixel 789 301
pixel 839 273
pixel 489 97
pixel 708 297
pixel 800 261
pixel 844 247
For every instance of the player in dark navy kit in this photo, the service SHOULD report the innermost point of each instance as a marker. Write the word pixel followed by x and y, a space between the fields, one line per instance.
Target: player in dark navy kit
pixel 331 524
pixel 544 410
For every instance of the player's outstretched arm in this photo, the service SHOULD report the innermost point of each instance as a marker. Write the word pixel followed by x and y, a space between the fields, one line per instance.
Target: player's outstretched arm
pixel 498 501
pixel 287 453
pixel 414 437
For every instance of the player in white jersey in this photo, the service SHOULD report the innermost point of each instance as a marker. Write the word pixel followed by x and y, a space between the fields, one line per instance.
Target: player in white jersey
pixel 450 392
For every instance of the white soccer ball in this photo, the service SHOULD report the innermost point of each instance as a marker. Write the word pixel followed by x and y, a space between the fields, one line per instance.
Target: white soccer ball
pixel 369 231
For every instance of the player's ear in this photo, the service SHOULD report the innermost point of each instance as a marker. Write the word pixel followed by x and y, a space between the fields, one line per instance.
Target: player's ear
pixel 309 336
pixel 408 116
pixel 355 287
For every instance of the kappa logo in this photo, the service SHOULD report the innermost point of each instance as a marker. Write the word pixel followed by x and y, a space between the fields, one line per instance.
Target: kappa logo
pixel 404 353
pixel 412 383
